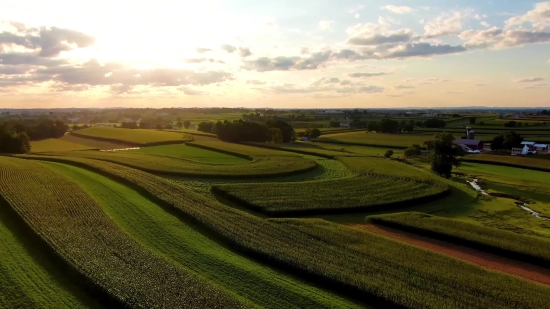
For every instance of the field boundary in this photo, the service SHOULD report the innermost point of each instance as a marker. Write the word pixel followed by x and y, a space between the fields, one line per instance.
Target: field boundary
pixel 464 242
pixel 328 141
pixel 534 168
pixel 304 152
pixel 227 152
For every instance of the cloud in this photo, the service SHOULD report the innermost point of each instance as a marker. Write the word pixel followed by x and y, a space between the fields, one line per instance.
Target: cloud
pixel 536 86
pixel 409 92
pixel 539 17
pixel 48 42
pixel 202 50
pixel 245 52
pixel 228 48
pixel 423 50
pixel 304 50
pixel 370 89
pixel 404 87
pixel 479 85
pixel 529 80
pixel 326 25
pixel 442 26
pixel 255 82
pixel 485 24
pixel 201 60
pixel 398 9
pixel 190 91
pixel 367 74
pixel 376 34
pixel 357 16
pixel 430 81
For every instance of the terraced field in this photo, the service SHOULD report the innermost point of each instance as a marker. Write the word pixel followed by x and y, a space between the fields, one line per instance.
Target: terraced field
pixel 357 264
pixel 375 139
pixel 136 137
pixel 54 144
pixel 535 163
pixel 372 190
pixel 183 151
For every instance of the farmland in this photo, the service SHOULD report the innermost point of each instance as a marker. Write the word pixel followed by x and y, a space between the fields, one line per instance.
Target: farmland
pixel 135 137
pixel 187 220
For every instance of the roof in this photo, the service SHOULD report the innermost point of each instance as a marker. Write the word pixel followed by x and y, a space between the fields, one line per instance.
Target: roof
pixel 540 145
pixel 468 141
pixel 528 143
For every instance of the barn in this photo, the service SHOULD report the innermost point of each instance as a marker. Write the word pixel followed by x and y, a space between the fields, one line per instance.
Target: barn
pixel 472 144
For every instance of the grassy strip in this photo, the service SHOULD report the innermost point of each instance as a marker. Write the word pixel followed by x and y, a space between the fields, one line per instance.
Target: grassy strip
pixel 367 273
pixel 183 151
pixel 511 161
pixel 227 152
pixel 191 247
pixel 133 137
pixel 54 144
pixel 516 246
pixel 31 274
pixel 332 141
pixel 74 225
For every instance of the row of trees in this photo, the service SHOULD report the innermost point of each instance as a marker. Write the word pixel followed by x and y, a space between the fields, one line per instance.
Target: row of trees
pixel 506 141
pixel 247 131
pixel 15 137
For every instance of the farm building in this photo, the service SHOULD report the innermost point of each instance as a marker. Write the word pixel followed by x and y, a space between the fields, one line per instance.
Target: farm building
pixel 472 144
pixel 345 124
pixel 534 147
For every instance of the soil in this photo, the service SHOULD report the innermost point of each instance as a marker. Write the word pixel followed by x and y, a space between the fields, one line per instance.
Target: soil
pixel 483 259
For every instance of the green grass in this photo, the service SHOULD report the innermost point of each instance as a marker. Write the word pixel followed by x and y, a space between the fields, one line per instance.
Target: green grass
pixel 54 144
pixel 90 143
pixel 512 245
pixel 517 173
pixel 191 153
pixel 74 225
pixel 528 162
pixel 29 276
pixel 368 267
pixel 376 139
pixel 359 150
pixel 184 244
pixel 245 150
pixel 137 137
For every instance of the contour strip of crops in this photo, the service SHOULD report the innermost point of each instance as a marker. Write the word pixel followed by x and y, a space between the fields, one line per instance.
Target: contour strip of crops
pixel 72 223
pixel 381 271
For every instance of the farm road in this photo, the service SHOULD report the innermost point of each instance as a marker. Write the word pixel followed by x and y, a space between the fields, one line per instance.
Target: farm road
pixel 483 259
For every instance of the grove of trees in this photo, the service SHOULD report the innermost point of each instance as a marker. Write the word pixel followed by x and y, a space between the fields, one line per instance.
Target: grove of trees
pixel 247 131
pixel 15 136
pixel 506 141
pixel 443 154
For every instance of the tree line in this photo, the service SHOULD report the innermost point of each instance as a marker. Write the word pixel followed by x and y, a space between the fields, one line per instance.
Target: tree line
pixel 273 131
pixel 15 136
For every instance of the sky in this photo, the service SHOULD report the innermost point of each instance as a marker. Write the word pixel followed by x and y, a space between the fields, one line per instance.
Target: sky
pixel 280 54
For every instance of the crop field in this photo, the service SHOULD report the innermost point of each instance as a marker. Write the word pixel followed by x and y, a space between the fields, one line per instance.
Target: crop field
pixel 372 268
pixel 376 139
pixel 188 221
pixel 509 244
pixel 183 243
pixel 529 162
pixel 183 151
pixel 263 165
pixel 137 137
pixel 55 144
pixel 74 225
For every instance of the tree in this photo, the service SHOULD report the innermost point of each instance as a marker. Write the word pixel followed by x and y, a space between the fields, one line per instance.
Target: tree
pixel 274 135
pixel 373 126
pixel 286 129
pixel 179 124
pixel 334 124
pixel 186 124
pixel 435 123
pixel 443 153
pixel 159 127
pixel 389 126
pixel 414 150
pixel 312 133
pixel 14 142
pixel 388 154
pixel 506 141
pixel 473 120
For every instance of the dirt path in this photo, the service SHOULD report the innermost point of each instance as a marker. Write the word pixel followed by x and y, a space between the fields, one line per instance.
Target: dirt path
pixel 483 259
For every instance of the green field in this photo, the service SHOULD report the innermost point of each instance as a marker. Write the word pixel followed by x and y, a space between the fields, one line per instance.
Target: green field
pixel 505 171
pixel 136 137
pixel 529 162
pixel 376 139
pixel 54 144
pixel 373 190
pixel 191 153
pixel 521 247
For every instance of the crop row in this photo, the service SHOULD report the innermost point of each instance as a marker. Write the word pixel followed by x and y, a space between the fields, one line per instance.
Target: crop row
pixel 512 245
pixel 260 167
pixel 75 226
pixel 133 137
pixel 364 193
pixel 368 267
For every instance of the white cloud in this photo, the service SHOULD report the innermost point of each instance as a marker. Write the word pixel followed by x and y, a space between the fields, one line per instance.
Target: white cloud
pixel 398 9
pixel 539 17
pixel 499 38
pixel 442 25
pixel 326 25
pixel 357 15
pixel 529 80
pixel 485 24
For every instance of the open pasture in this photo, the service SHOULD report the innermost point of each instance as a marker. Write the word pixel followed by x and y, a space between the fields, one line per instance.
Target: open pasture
pixel 371 268
pixel 539 163
pixel 136 137
pixel 122 272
